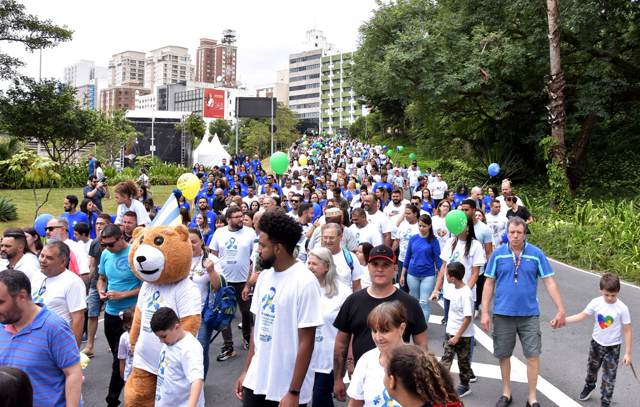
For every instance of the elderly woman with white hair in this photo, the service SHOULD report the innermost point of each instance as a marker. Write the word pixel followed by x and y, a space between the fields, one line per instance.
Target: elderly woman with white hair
pixel 334 293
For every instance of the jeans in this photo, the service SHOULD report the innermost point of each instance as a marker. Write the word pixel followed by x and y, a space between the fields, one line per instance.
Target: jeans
pixel 404 287
pixel 204 336
pixel 247 317
pixel 323 390
pixel 421 288
pixel 446 311
pixel 113 329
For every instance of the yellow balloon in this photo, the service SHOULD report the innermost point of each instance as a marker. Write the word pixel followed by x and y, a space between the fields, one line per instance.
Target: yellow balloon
pixel 189 185
pixel 303 160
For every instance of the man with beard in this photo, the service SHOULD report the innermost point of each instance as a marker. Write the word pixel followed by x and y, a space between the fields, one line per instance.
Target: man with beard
pixel 395 209
pixel 219 202
pixel 15 255
pixel 72 215
pixel 286 304
pixel 375 216
pixel 208 193
pixel 203 208
pixel 38 342
pixel 233 245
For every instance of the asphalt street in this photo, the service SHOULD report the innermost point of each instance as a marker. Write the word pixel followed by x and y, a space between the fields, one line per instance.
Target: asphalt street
pixel 563 362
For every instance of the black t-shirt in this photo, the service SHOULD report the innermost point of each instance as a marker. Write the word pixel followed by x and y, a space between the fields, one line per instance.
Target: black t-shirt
pixel 95 251
pixel 352 318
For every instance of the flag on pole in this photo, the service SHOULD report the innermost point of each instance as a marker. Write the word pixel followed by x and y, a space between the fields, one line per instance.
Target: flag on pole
pixel 169 214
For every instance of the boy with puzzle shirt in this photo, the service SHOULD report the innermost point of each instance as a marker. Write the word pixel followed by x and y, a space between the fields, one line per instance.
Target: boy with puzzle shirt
pixel 612 323
pixel 181 368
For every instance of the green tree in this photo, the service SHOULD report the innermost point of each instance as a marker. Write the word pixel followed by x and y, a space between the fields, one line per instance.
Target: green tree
pixel 16 25
pixel 115 131
pixel 48 113
pixel 255 134
pixel 255 137
pixel 194 126
pixel 286 132
pixel 222 128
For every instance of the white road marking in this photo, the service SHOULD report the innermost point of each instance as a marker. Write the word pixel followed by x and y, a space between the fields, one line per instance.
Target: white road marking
pixel 518 368
pixel 589 272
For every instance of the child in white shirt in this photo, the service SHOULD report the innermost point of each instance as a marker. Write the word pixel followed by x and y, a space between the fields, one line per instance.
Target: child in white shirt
pixel 181 369
pixel 612 323
pixel 459 329
pixel 125 354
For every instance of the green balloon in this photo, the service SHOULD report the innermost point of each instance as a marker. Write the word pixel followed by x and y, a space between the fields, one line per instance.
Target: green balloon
pixel 413 156
pixel 389 153
pixel 279 162
pixel 313 151
pixel 400 148
pixel 456 221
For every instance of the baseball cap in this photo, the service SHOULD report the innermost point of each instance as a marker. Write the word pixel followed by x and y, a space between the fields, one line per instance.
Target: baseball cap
pixel 382 252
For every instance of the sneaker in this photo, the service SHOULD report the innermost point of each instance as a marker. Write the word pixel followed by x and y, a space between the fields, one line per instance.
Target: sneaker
pixel 473 379
pixel 463 390
pixel 504 401
pixel 245 344
pixel 226 354
pixel 535 404
pixel 585 394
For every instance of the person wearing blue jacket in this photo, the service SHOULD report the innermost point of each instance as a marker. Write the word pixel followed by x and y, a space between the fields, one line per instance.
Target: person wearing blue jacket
pixel 421 263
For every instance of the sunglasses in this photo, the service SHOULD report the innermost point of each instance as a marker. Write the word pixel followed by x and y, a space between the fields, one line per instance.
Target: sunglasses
pixel 52 228
pixel 110 244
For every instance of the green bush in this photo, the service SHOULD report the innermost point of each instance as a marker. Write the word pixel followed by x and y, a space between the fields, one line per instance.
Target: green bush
pixel 8 210
pixel 73 176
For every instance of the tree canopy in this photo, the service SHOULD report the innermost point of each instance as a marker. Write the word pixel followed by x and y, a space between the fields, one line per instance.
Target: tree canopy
pixel 461 77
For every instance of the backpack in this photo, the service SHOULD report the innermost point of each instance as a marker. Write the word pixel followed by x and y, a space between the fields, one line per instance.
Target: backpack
pixel 348 258
pixel 220 306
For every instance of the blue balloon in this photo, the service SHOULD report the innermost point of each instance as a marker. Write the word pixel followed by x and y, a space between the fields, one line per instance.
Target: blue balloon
pixel 41 223
pixel 337 150
pixel 494 169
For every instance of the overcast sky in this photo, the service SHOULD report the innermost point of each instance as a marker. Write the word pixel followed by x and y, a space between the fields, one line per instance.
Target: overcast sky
pixel 267 31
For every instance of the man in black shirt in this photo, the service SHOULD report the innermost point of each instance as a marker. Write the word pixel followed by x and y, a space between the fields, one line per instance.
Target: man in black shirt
pixel 352 317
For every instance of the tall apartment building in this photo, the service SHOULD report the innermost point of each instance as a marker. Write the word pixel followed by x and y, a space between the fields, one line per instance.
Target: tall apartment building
pixel 340 107
pixel 304 80
pixel 127 69
pixel 279 89
pixel 167 65
pixel 120 97
pixel 89 80
pixel 216 62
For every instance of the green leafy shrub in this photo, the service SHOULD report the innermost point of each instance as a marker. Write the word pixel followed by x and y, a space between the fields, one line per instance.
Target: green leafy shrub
pixel 8 210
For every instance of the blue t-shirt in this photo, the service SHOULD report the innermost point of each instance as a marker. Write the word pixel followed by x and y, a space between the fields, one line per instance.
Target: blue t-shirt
pixel 427 206
pixel 487 203
pixel 115 266
pixel 385 185
pixel 74 219
pixel 423 257
pixel 97 197
pixel 518 299
pixel 185 205
pixel 92 166
pixel 42 350
pixel 209 197
pixel 458 198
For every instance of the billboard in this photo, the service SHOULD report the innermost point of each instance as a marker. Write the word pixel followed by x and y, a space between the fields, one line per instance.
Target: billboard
pixel 255 107
pixel 213 104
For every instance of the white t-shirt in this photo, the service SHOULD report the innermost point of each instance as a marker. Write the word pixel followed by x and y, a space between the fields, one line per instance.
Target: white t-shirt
pixel 498 225
pixel 124 353
pixel 183 297
pixel 440 231
pixel 462 305
pixel 248 200
pixel 345 275
pixel 82 256
pixel 234 251
pixel 142 216
pixel 395 212
pixel 382 222
pixel 62 294
pixel 322 360
pixel 282 303
pixel 438 188
pixel 367 382
pixel 369 233
pixel 29 265
pixel 403 233
pixel 200 277
pixel 477 257
pixel 179 366
pixel 609 318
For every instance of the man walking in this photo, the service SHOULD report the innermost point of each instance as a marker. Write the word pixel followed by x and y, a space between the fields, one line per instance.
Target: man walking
pixel 512 273
pixel 286 303
pixel 233 245
pixel 14 254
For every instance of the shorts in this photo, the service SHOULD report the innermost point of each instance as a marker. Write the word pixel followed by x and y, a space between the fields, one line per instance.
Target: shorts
pixel 505 329
pixel 94 304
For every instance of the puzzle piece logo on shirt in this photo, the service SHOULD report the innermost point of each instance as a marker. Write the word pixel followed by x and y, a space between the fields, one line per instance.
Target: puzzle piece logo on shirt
pixel 605 321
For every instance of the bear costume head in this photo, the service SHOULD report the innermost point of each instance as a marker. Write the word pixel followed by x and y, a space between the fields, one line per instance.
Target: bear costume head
pixel 161 254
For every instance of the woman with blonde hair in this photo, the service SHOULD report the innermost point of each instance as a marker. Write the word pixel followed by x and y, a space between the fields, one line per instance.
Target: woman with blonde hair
pixel 334 292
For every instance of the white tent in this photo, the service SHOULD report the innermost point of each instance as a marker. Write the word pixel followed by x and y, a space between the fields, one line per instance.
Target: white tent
pixel 210 153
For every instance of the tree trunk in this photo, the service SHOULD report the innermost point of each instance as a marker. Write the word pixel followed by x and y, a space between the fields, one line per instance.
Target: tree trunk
pixel 555 89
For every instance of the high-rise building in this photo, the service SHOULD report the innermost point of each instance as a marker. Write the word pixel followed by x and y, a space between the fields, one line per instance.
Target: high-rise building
pixel 167 65
pixel 304 80
pixel 340 107
pixel 120 97
pixel 89 80
pixel 279 89
pixel 216 62
pixel 127 69
pixel 79 73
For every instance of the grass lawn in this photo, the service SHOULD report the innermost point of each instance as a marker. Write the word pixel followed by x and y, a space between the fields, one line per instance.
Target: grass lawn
pixel 24 201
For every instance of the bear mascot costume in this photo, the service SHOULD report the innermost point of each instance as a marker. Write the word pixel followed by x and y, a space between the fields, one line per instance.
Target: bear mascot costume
pixel 161 258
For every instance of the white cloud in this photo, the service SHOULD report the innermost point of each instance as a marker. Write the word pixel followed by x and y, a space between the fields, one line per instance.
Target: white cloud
pixel 267 31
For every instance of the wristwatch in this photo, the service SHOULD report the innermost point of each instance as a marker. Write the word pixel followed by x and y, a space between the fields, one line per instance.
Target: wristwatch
pixel 294 392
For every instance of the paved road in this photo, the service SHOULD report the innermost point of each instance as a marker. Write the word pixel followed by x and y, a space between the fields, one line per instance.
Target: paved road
pixel 563 360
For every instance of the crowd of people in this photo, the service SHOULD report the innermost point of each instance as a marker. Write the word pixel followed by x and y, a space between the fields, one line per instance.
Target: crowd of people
pixel 335 264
